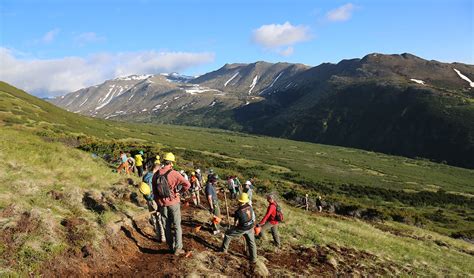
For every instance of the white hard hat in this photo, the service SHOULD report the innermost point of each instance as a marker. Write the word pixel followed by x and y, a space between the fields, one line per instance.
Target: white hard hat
pixel 182 171
pixel 248 183
pixel 198 170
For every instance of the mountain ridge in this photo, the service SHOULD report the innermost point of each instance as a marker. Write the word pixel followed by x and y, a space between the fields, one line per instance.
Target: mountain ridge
pixel 307 103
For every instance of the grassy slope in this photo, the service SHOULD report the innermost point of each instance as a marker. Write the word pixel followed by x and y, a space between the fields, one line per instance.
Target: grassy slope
pixel 32 167
pixel 33 170
pixel 320 167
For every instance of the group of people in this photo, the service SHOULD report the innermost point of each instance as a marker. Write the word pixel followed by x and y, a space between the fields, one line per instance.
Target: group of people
pixel 163 188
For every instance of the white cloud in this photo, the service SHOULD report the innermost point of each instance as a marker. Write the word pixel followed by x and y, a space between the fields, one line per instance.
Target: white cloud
pixel 341 13
pixel 51 77
pixel 88 37
pixel 50 36
pixel 276 35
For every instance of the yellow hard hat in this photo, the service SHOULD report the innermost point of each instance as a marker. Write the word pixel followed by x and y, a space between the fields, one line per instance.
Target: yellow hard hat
pixel 193 173
pixel 157 157
pixel 169 157
pixel 157 161
pixel 144 188
pixel 244 198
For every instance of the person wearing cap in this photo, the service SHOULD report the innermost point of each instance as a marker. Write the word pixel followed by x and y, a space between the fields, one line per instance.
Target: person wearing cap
pixel 244 221
pixel 269 221
pixel 139 163
pixel 213 201
pixel 248 189
pixel 198 175
pixel 170 207
pixel 195 188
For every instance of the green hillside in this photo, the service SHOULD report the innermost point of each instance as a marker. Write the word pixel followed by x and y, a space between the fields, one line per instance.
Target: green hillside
pixel 49 180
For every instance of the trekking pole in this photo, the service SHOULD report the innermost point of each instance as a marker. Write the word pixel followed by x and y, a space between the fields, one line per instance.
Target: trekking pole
pixel 227 209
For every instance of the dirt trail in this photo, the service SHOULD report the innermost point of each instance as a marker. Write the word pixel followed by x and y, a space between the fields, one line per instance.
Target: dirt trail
pixel 134 251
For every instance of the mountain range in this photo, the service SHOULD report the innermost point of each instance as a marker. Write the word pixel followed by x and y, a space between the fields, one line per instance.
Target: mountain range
pixel 396 104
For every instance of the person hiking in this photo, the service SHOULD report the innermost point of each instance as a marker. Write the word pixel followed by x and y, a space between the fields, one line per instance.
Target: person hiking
pixel 195 188
pixel 131 164
pixel 183 173
pixel 123 163
pixel 269 221
pixel 155 217
pixel 139 163
pixel 164 183
pixel 210 173
pixel 237 185
pixel 248 189
pixel 244 221
pixel 231 187
pixel 198 175
pixel 319 204
pixel 157 160
pixel 213 201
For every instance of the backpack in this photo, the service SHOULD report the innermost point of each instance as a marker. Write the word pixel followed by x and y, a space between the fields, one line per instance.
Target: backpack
pixel 161 187
pixel 247 217
pixel 279 214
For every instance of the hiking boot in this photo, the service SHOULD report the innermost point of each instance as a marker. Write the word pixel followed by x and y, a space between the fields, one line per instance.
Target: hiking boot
pixel 178 252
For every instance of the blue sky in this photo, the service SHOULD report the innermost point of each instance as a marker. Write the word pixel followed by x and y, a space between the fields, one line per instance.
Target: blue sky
pixel 52 47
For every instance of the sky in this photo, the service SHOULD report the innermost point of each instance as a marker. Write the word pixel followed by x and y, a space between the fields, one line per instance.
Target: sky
pixel 49 48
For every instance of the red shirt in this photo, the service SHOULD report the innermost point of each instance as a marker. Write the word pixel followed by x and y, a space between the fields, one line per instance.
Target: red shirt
pixel 174 179
pixel 271 214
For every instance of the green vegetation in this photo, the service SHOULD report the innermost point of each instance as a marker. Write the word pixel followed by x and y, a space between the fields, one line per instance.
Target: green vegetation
pixel 49 171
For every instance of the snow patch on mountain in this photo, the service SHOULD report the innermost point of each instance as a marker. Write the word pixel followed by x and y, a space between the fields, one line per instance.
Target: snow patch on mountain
pixel 464 77
pixel 418 81
pixel 83 102
pixel 254 82
pixel 273 82
pixel 134 77
pixel 230 79
pixel 196 89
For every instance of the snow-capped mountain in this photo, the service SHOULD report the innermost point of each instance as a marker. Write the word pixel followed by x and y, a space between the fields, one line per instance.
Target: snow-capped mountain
pixel 399 104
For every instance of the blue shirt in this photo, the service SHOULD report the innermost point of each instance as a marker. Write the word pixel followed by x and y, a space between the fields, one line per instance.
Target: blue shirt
pixel 210 190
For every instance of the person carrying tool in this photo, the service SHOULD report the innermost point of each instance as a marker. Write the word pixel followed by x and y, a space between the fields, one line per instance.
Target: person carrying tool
pixel 213 201
pixel 195 188
pixel 244 221
pixel 139 163
pixel 271 220
pixel 165 183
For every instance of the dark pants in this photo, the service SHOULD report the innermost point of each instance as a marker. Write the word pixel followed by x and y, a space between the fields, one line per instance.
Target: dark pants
pixel 274 230
pixel 140 171
pixel 249 238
